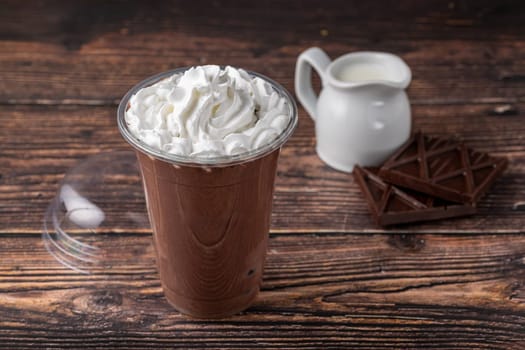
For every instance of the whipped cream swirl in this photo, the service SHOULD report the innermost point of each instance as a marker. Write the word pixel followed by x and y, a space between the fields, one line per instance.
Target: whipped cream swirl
pixel 208 112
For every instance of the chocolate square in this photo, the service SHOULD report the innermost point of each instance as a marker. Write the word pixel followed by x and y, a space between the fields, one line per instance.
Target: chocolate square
pixel 443 168
pixel 392 205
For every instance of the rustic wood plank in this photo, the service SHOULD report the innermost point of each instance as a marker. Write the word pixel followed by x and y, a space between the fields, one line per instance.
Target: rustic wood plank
pixel 56 76
pixel 39 144
pixel 89 54
pixel 319 291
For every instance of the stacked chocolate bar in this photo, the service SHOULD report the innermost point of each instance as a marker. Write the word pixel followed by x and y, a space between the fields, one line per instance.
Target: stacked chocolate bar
pixel 428 179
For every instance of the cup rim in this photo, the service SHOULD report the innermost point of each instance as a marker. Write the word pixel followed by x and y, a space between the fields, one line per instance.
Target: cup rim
pixel 217 161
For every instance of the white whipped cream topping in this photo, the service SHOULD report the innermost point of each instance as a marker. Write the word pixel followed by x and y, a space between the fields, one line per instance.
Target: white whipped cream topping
pixel 208 112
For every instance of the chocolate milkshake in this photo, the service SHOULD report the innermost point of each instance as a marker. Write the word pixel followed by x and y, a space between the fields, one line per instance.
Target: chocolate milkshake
pixel 207 140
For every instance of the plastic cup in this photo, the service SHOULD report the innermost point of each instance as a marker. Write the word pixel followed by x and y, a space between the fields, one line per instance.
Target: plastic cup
pixel 210 217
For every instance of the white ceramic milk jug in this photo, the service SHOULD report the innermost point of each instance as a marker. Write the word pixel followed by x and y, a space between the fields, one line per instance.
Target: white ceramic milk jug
pixel 362 114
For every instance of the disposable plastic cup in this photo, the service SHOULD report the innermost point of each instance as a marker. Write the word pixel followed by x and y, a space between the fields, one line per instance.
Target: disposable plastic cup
pixel 210 217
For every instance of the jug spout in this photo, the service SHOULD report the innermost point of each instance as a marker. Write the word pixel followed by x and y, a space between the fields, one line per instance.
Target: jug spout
pixel 369 67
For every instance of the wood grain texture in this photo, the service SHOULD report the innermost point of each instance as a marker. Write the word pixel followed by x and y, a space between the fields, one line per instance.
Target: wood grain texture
pixel 333 280
pixel 319 291
pixel 40 143
pixel 93 52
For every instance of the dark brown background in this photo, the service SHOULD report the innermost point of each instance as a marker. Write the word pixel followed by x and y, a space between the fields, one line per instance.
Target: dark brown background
pixel 333 279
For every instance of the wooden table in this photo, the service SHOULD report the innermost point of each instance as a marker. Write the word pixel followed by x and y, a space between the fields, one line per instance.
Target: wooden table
pixel 333 279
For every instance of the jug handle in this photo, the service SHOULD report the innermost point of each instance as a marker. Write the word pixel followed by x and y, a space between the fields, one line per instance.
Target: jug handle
pixel 319 60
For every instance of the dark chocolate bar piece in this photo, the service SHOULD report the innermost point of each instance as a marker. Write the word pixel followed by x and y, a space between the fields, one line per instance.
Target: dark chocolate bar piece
pixel 443 168
pixel 391 205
